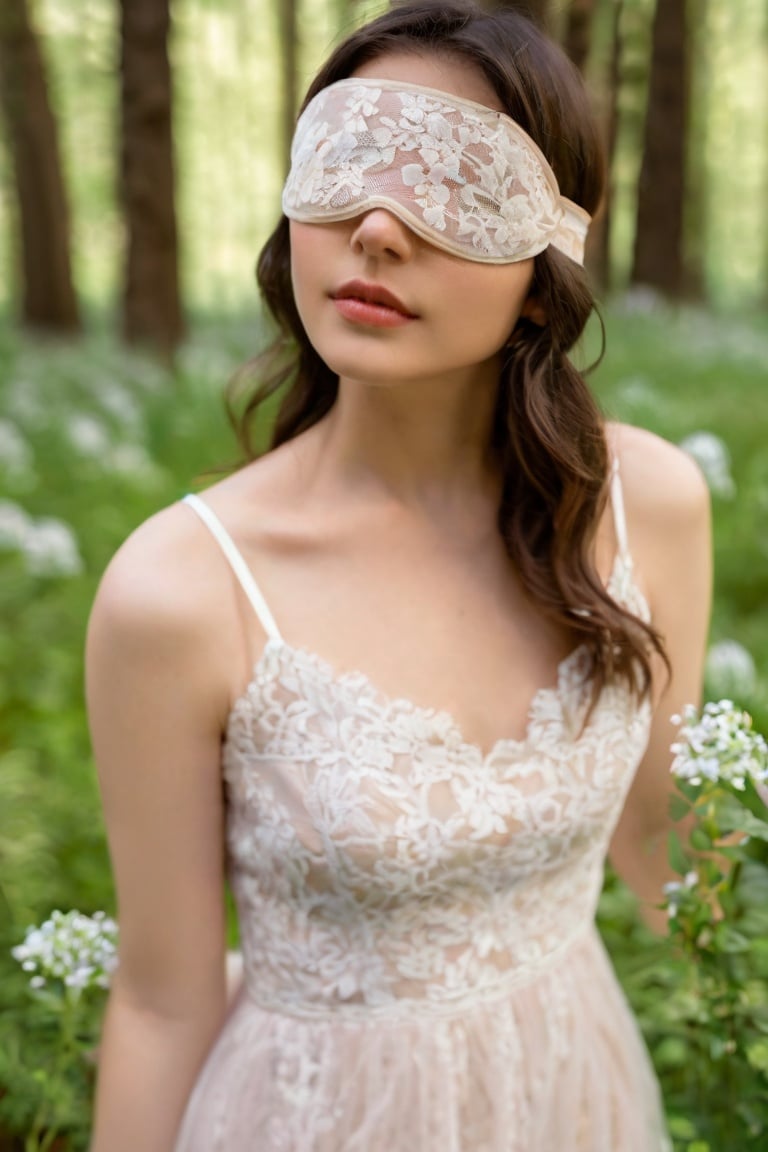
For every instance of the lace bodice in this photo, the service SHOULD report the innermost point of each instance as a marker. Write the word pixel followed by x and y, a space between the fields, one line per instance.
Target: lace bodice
pixel 382 864
pixel 420 967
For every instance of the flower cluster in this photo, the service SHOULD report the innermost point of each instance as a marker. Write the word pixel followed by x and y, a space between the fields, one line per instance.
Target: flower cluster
pixel 676 889
pixel 730 670
pixel 719 744
pixel 80 951
pixel 49 546
pixel 712 455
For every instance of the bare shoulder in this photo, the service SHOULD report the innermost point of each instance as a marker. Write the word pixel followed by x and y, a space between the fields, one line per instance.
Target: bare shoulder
pixel 667 507
pixel 155 579
pixel 160 599
pixel 664 488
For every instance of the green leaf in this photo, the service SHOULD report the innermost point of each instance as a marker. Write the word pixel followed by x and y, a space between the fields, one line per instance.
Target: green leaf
pixel 734 817
pixel 753 800
pixel 700 840
pixel 672 1052
pixel 681 1127
pixel 679 806
pixel 757 1055
pixel 678 861
pixel 727 939
pixel 751 885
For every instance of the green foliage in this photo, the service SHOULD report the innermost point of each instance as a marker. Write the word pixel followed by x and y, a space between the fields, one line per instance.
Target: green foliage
pixel 711 1031
pixel 700 995
pixel 107 439
pixel 47 1069
pixel 678 371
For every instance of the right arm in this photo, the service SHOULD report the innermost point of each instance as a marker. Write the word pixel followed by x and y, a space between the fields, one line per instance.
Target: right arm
pixel 156 704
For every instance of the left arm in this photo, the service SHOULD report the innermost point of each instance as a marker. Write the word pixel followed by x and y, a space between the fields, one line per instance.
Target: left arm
pixel 668 515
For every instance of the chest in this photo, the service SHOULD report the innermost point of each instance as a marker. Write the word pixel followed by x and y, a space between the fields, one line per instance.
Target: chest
pixel 445 627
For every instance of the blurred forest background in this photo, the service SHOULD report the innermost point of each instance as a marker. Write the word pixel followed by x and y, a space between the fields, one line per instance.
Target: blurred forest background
pixel 132 148
pixel 142 152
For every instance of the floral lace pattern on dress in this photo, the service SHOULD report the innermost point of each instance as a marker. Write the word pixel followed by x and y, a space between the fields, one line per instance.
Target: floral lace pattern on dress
pixel 383 864
pixel 462 176
pixel 421 970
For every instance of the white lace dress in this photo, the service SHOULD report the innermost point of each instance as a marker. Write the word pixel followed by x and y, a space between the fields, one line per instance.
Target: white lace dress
pixel 421 970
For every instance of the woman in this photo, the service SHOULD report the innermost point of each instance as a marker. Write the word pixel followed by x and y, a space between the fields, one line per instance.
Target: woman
pixel 416 849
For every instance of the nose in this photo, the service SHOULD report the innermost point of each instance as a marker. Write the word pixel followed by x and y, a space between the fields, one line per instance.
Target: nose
pixel 379 232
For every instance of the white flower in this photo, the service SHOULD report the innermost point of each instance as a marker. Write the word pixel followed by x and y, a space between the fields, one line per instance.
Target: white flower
pixel 638 392
pixel 719 744
pixel 675 889
pixel 712 455
pixel 133 461
pixel 119 403
pixel 88 435
pixel 14 524
pixel 80 951
pixel 50 548
pixel 730 669
pixel 23 401
pixel 641 300
pixel 15 453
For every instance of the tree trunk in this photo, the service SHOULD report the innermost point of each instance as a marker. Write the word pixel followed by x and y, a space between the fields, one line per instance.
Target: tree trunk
pixel 599 251
pixel 659 248
pixel 49 300
pixel 151 295
pixel 577 40
pixel 538 10
pixel 696 214
pixel 287 38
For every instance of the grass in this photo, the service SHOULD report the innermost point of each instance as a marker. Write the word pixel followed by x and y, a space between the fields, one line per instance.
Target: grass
pixel 678 372
pixel 99 439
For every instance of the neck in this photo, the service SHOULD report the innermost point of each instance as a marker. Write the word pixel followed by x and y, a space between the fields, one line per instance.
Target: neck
pixel 422 445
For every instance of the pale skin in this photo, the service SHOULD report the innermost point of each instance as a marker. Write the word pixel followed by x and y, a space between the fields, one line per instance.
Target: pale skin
pixel 373 538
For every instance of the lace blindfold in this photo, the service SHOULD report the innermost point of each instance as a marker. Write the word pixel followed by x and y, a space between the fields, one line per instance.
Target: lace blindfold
pixel 463 177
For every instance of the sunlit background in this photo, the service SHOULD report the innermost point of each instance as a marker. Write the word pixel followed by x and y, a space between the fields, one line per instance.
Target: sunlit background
pixel 226 61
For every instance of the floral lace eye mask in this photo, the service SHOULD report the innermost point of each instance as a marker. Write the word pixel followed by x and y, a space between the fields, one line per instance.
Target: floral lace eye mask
pixel 462 176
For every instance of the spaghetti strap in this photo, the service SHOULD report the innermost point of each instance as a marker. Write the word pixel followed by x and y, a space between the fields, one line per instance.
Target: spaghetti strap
pixel 239 566
pixel 619 517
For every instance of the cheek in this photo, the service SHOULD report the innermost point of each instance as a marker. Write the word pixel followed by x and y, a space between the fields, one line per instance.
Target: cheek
pixel 299 262
pixel 305 261
pixel 492 301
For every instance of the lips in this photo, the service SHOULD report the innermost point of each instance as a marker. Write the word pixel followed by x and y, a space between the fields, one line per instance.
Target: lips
pixel 371 294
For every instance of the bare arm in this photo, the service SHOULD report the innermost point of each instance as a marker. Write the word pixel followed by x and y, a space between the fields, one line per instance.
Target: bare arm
pixel 668 512
pixel 155 719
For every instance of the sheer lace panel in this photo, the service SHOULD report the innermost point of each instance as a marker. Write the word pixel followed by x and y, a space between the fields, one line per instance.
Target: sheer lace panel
pixel 464 177
pixel 378 858
pixel 421 971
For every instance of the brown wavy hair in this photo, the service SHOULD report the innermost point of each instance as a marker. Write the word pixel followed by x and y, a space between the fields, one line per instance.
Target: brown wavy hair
pixel 548 433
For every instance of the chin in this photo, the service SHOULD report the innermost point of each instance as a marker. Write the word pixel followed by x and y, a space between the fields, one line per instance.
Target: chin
pixel 363 371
